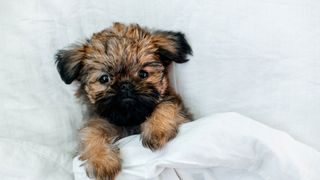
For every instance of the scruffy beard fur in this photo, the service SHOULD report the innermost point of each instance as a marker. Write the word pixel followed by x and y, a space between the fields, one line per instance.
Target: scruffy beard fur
pixel 122 74
pixel 128 112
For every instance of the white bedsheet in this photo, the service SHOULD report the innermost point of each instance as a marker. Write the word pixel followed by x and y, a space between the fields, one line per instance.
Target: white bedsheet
pixel 224 146
pixel 256 57
pixel 22 160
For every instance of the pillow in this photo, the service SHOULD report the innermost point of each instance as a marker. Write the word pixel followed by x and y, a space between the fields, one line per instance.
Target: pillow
pixel 258 58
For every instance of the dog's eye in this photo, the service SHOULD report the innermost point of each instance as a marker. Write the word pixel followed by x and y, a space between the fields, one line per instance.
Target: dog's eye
pixel 104 79
pixel 143 74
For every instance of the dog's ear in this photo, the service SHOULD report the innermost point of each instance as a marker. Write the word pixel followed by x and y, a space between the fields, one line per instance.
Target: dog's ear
pixel 69 62
pixel 172 46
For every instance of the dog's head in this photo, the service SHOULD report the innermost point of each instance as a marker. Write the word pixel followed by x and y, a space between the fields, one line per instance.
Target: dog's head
pixel 122 70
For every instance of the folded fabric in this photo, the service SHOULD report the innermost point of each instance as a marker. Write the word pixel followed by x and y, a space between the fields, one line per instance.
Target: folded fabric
pixel 224 146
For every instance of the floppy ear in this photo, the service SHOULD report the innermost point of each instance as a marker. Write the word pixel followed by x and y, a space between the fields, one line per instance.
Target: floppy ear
pixel 69 62
pixel 172 46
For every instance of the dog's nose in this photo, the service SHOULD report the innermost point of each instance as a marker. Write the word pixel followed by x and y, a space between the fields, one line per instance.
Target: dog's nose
pixel 126 86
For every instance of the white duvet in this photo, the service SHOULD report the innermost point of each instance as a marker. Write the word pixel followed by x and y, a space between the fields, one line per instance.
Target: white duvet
pixel 224 146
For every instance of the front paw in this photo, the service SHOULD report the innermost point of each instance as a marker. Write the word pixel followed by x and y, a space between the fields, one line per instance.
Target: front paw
pixel 104 166
pixel 157 139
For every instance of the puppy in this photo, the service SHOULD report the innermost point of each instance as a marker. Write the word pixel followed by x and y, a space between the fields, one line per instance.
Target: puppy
pixel 122 74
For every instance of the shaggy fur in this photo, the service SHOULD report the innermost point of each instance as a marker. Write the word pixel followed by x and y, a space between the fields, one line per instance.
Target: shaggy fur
pixel 123 77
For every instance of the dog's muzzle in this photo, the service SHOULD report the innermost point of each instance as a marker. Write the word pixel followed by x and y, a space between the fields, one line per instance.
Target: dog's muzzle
pixel 126 91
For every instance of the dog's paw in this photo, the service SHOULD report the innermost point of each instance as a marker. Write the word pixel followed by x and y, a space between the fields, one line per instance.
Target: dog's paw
pixel 157 138
pixel 103 166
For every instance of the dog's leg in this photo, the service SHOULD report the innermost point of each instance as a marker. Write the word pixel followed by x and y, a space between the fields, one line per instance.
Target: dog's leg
pixel 162 125
pixel 96 148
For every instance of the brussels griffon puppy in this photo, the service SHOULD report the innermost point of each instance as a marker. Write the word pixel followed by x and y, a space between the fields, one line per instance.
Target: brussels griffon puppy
pixel 122 74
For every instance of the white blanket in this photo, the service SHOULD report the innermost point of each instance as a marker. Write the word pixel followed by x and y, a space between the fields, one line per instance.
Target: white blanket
pixel 224 146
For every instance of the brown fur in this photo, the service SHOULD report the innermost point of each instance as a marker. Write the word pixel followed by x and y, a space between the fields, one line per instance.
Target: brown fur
pixel 163 125
pixel 123 51
pixel 96 146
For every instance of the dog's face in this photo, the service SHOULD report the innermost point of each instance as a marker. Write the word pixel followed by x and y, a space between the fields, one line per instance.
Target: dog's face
pixel 123 70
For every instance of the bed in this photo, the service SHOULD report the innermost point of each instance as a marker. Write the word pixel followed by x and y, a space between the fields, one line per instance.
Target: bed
pixel 259 59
